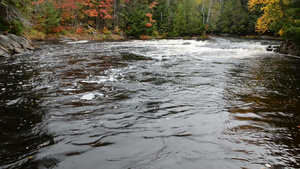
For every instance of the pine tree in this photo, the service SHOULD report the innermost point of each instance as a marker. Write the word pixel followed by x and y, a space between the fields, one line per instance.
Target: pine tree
pixel 51 17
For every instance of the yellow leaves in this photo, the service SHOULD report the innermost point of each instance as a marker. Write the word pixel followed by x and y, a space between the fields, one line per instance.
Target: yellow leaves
pixel 262 24
pixel 253 3
pixel 272 13
pixel 281 31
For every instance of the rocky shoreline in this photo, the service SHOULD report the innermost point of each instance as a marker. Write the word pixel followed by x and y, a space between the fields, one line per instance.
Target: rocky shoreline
pixel 288 47
pixel 11 44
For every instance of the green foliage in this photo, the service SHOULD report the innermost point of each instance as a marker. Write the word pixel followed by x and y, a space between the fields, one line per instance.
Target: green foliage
pixel 51 17
pixel 180 20
pixel 187 20
pixel 137 21
pixel 235 19
pixel 16 28
pixel 4 24
pixel 159 18
pixel 9 24
pixel 292 22
pixel 163 16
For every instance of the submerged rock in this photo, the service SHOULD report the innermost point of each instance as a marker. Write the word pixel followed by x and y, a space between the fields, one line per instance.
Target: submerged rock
pixel 11 44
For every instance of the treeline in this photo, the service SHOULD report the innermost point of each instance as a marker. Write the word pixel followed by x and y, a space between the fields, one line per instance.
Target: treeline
pixel 143 18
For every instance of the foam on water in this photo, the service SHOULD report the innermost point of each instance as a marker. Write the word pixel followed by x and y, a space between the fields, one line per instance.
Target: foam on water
pixel 91 96
pixel 80 41
pixel 214 49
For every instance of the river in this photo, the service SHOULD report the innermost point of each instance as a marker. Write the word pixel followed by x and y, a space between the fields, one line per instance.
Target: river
pixel 221 103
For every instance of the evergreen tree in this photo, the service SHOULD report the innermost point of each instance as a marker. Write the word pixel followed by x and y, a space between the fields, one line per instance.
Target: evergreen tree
pixel 187 20
pixel 290 25
pixel 235 19
pixel 163 16
pixel 51 17
pixel 180 22
pixel 138 21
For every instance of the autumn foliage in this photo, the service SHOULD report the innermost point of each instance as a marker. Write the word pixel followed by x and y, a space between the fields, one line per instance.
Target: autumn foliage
pixel 158 18
pixel 272 13
pixel 281 16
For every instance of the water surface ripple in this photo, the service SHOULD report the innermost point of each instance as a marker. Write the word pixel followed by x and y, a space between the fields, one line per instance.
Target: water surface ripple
pixel 222 103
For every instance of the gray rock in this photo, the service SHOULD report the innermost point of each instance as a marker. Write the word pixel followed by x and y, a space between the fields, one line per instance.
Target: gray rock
pixel 4 52
pixel 291 48
pixel 18 51
pixel 186 43
pixel 24 42
pixel 6 42
pixel 11 44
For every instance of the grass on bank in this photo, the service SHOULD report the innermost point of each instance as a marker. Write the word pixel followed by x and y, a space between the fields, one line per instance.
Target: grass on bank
pixel 89 33
pixel 73 34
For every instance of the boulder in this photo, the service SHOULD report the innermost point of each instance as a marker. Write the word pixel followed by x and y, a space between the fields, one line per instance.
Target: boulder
pixel 24 42
pixel 4 52
pixel 11 44
pixel 274 48
pixel 291 48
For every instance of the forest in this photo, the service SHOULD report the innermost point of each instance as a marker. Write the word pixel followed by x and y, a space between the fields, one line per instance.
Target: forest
pixel 102 19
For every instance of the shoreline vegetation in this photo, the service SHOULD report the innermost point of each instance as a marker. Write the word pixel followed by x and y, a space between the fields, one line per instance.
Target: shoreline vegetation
pixel 115 20
pixel 39 36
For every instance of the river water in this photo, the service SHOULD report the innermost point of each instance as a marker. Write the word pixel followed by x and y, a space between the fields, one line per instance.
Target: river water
pixel 222 103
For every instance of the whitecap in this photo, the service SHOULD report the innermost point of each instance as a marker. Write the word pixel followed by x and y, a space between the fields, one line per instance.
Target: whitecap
pixel 91 96
pixel 80 41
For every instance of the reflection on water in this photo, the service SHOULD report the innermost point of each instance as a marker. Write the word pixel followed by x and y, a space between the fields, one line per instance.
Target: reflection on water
pixel 265 107
pixel 20 113
pixel 223 103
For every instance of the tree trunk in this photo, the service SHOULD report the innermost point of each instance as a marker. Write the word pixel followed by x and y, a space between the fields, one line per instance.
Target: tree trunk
pixel 203 14
pixel 208 13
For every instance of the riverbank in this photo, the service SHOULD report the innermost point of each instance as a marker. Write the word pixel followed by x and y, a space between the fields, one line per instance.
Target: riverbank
pixel 99 36
pixel 11 44
pixel 8 49
pixel 73 36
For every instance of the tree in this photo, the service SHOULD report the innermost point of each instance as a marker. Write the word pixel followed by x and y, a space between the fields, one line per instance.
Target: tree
pixel 139 20
pixel 281 16
pixel 11 17
pixel 292 28
pixel 163 16
pixel 235 19
pixel 51 17
pixel 187 19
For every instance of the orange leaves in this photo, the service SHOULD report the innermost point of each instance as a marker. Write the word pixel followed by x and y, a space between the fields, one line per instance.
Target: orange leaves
pixel 91 12
pixel 144 37
pixel 153 4
pixel 79 30
pixel 150 17
pixel 57 29
pixel 102 8
pixel 148 24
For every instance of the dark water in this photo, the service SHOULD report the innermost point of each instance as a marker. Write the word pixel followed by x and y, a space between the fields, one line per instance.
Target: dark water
pixel 223 103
